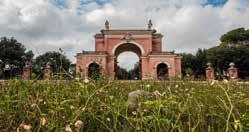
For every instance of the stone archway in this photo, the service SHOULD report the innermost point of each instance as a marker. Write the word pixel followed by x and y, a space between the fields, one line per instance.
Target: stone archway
pixel 145 43
pixel 93 70
pixel 124 47
pixel 162 70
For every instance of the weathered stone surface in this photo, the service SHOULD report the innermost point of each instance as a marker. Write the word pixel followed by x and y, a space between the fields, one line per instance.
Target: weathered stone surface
pixel 233 71
pixel 47 72
pixel 209 72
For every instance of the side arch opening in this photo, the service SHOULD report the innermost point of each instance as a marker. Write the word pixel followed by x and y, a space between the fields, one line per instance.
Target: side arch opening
pixel 94 71
pixel 162 71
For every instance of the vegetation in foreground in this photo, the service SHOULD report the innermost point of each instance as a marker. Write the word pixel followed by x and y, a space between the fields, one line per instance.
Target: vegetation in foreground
pixel 102 106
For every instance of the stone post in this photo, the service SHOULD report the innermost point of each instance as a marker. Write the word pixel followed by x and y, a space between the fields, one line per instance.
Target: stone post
pixel 47 72
pixel 209 72
pixel 144 69
pixel 26 74
pixel 232 71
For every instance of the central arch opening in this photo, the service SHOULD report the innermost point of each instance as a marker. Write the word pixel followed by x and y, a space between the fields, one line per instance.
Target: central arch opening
pixel 128 63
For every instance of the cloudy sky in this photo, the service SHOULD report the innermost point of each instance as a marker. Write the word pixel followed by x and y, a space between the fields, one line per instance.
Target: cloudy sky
pixel 43 25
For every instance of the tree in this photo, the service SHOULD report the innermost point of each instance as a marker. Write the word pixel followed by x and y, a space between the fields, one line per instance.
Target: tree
pixel 134 72
pixel 201 60
pixel 234 48
pixel 57 60
pixel 121 73
pixel 235 36
pixel 188 62
pixel 14 53
pixel 222 56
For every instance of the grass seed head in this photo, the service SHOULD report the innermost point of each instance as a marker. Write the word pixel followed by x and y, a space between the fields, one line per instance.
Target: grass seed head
pixel 157 93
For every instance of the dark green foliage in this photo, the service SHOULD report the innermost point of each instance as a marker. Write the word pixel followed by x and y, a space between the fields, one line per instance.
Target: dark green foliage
pixel 233 49
pixel 195 63
pixel 221 56
pixel 235 36
pixel 14 53
pixel 132 74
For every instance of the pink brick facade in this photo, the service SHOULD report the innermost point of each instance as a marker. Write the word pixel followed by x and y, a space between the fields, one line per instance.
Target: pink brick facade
pixel 147 44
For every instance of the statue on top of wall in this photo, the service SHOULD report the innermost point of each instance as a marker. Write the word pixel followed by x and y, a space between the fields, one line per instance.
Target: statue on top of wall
pixel 107 25
pixel 150 25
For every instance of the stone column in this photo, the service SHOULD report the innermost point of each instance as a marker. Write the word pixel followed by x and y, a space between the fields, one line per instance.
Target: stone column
pixel 26 74
pixel 209 72
pixel 232 71
pixel 111 66
pixel 47 72
pixel 85 74
pixel 144 69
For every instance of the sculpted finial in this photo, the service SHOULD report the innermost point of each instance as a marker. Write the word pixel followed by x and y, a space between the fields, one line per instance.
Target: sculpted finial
pixel 150 24
pixel 107 25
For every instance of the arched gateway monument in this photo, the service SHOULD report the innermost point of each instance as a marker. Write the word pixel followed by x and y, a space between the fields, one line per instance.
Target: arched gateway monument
pixel 146 43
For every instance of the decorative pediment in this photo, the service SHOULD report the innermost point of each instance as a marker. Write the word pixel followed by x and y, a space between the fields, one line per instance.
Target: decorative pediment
pixel 127 37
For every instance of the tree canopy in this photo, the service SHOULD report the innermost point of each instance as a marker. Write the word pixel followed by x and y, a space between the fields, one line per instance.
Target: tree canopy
pixel 55 59
pixel 13 55
pixel 235 36
pixel 220 56
pixel 13 52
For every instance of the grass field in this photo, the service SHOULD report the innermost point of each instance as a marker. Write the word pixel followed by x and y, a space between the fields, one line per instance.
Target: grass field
pixel 102 106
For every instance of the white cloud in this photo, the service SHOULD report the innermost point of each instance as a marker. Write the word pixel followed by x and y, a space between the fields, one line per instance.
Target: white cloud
pixel 185 24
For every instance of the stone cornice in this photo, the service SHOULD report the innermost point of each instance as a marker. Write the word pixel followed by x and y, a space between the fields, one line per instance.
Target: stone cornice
pixel 93 53
pixel 124 31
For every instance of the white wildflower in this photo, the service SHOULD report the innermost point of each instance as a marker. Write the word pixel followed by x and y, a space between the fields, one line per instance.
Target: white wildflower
pixel 78 124
pixel 86 80
pixel 68 129
pixel 212 83
pixel 134 112
pixel 225 81
pixel 27 128
pixel 33 105
pixel 43 121
pixel 148 86
pixel 72 107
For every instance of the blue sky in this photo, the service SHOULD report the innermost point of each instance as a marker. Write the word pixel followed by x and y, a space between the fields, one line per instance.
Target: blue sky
pixel 216 2
pixel 45 25
pixel 62 3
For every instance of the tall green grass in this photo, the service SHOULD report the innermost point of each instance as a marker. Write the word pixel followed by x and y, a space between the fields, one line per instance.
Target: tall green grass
pixel 102 106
